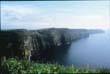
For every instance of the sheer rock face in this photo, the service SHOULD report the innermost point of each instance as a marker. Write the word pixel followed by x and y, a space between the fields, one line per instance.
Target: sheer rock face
pixel 20 42
pixel 13 42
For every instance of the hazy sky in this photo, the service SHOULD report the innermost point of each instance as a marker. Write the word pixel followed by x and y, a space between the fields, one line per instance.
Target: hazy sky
pixel 59 14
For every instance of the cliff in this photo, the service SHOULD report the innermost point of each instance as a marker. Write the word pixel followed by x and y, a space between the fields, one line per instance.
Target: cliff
pixel 36 43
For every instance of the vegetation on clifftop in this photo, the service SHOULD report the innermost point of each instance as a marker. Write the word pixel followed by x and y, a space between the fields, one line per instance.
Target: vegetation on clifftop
pixel 14 66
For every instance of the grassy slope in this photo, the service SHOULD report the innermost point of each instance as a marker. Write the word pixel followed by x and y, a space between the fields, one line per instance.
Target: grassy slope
pixel 14 66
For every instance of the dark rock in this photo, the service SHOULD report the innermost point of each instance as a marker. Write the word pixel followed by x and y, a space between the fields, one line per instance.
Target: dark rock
pixel 38 43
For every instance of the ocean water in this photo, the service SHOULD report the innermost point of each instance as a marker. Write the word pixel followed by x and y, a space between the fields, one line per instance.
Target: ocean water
pixel 93 51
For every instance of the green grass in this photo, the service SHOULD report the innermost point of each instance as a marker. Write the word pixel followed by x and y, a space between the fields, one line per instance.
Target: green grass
pixel 14 66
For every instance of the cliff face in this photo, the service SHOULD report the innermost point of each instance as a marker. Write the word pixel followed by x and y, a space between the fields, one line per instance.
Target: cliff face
pixel 13 42
pixel 36 42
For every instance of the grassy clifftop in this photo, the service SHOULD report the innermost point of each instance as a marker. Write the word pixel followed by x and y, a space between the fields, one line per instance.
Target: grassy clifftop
pixel 14 66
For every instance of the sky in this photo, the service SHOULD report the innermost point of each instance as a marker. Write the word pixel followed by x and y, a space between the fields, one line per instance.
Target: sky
pixel 55 14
